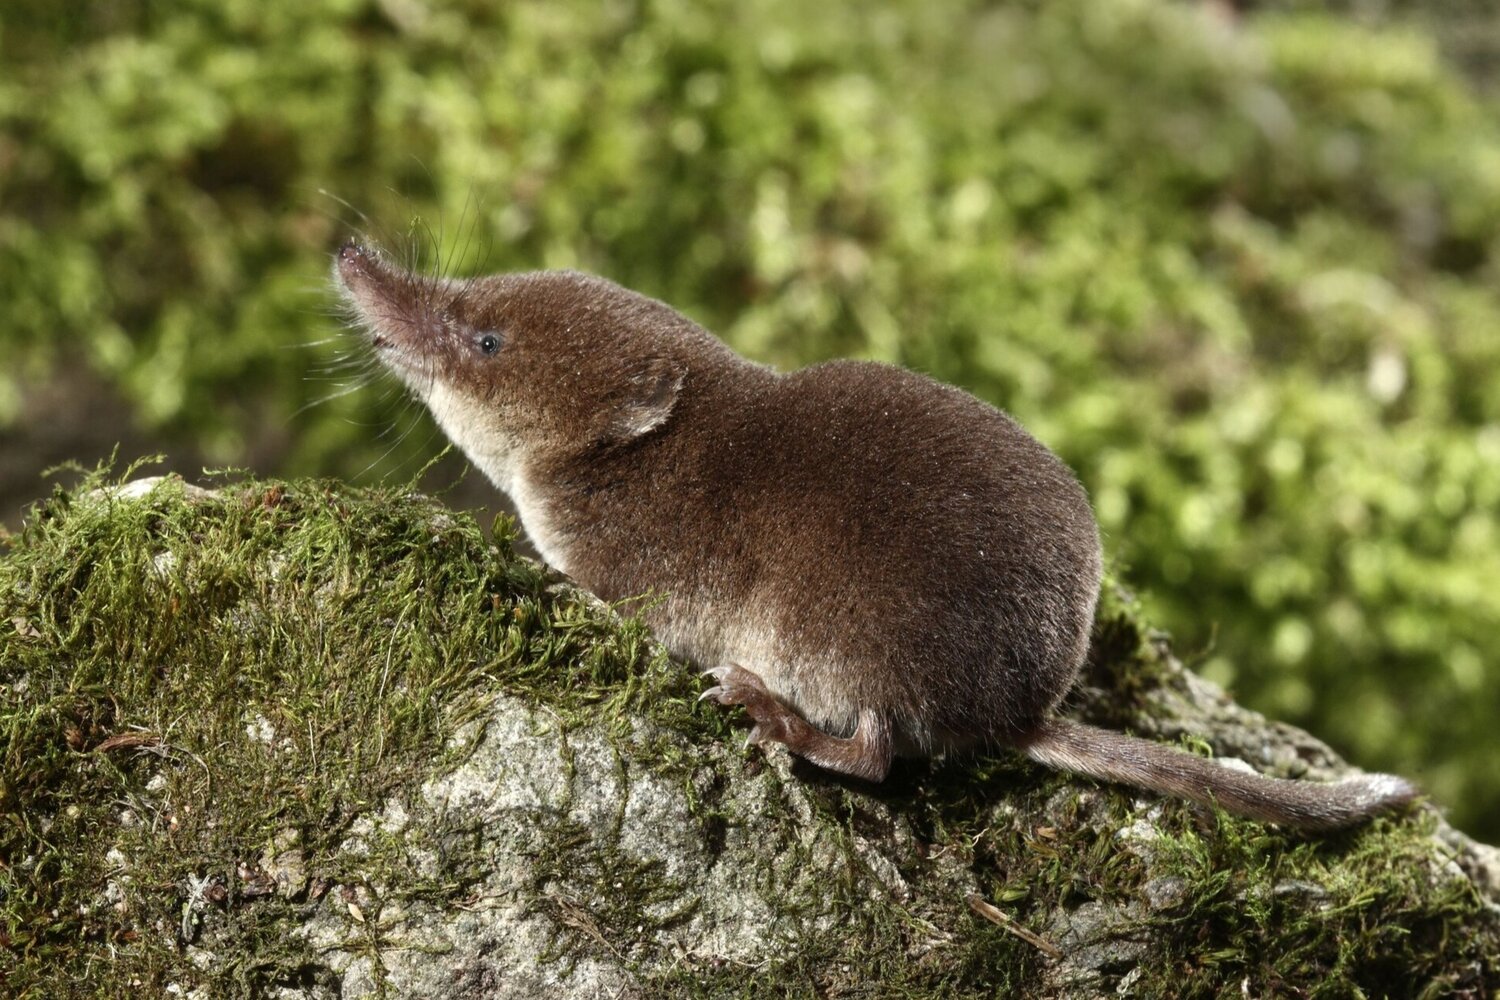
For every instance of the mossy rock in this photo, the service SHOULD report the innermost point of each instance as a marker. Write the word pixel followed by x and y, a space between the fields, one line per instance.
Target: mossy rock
pixel 301 740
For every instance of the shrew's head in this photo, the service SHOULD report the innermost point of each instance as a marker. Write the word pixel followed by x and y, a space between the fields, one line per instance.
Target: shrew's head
pixel 517 365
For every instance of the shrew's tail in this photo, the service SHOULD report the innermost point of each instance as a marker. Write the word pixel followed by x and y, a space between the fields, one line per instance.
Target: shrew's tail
pixel 1311 805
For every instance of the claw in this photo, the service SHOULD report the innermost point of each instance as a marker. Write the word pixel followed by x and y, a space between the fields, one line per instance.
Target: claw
pixel 712 692
pixel 754 738
pixel 717 673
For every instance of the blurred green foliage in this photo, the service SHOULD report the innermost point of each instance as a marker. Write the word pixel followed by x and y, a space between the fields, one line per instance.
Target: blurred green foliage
pixel 1467 30
pixel 1243 274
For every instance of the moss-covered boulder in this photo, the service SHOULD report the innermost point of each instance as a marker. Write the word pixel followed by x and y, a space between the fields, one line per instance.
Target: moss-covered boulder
pixel 300 740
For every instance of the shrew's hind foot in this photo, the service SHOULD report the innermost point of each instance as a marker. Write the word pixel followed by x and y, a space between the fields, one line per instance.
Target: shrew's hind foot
pixel 866 754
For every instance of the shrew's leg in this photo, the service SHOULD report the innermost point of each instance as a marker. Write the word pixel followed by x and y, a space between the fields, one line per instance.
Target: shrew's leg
pixel 866 754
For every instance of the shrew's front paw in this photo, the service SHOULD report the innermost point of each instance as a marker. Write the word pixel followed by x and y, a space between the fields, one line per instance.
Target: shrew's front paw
pixel 738 686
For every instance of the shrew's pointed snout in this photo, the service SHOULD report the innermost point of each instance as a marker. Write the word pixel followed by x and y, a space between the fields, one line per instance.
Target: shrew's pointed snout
pixel 395 307
pixel 352 259
pixel 365 274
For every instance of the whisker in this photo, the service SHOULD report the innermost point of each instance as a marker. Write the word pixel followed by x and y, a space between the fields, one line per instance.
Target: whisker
pixel 411 426
pixel 342 392
pixel 309 344
pixel 333 197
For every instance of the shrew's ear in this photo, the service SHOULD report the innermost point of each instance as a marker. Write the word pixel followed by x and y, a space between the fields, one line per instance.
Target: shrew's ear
pixel 648 400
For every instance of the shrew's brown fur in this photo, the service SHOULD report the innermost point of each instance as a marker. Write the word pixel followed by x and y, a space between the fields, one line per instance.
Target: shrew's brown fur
pixel 872 562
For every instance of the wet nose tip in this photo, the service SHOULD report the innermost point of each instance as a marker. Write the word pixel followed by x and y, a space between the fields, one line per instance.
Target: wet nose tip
pixel 350 252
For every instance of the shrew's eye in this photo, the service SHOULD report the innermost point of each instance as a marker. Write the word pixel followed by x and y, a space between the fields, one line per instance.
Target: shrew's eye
pixel 489 342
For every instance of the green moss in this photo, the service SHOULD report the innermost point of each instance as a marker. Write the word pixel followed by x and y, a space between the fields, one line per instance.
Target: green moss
pixel 183 679
pixel 1364 913
pixel 207 685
